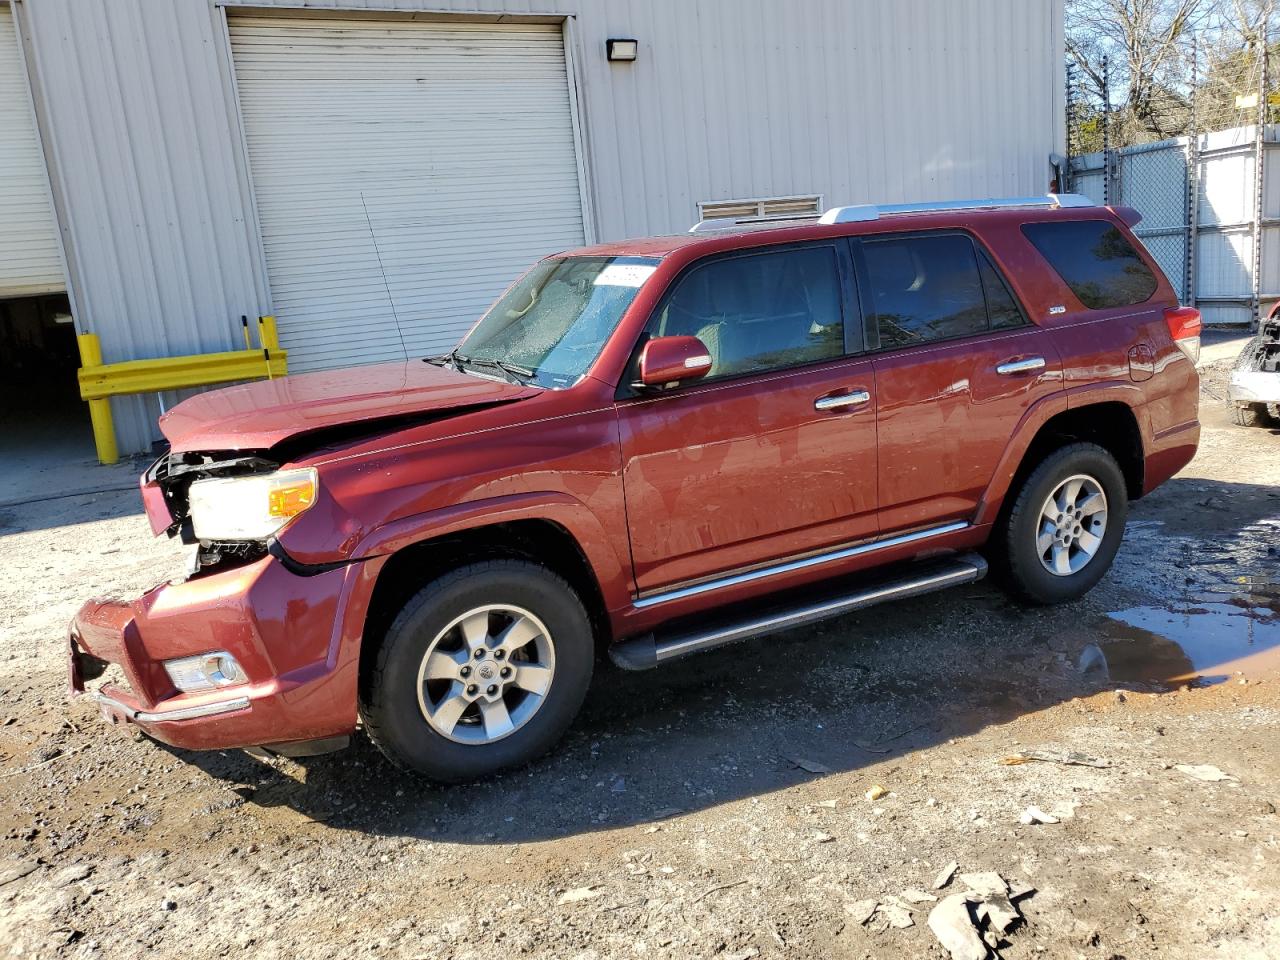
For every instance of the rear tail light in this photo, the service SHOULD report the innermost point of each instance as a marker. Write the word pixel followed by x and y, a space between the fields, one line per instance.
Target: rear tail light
pixel 1184 326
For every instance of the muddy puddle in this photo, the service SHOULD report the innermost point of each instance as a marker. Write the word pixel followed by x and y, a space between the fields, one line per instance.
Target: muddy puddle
pixel 1220 633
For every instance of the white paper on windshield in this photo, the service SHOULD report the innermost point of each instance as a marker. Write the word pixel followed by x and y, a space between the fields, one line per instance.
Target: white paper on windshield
pixel 625 274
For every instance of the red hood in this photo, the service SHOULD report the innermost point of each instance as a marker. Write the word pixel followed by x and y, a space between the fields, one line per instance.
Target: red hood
pixel 255 416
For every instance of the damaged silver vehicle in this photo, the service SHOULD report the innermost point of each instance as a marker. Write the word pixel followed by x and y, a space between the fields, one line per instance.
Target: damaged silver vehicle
pixel 1255 382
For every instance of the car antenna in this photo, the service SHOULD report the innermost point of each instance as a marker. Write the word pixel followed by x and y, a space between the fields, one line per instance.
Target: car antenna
pixel 383 270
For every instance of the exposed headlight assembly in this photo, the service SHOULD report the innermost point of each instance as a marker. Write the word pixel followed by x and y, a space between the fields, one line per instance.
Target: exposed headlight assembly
pixel 250 508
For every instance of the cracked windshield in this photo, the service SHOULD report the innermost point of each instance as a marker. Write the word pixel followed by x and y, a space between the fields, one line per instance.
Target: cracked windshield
pixel 551 325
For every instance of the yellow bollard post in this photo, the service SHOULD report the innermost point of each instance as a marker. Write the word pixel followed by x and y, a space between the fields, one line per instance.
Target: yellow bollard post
pixel 268 339
pixel 104 428
pixel 268 336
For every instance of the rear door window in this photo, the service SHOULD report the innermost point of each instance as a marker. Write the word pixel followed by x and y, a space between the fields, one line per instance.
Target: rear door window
pixel 762 311
pixel 923 287
pixel 1101 267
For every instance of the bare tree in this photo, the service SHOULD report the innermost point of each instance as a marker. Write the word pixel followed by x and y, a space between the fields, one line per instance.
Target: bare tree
pixel 1246 22
pixel 1145 44
pixel 1233 63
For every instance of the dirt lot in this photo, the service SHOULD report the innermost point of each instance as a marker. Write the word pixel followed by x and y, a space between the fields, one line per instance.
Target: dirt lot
pixel 719 808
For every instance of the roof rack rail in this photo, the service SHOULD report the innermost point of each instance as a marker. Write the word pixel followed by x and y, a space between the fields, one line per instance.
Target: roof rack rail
pixel 861 213
pixel 719 224
pixel 865 212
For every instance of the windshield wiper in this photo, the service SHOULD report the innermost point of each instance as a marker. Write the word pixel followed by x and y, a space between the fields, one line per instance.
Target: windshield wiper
pixel 460 363
pixel 505 366
pixel 452 357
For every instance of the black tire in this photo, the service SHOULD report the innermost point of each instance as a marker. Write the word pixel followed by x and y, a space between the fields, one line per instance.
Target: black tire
pixel 1250 414
pixel 1016 541
pixel 389 704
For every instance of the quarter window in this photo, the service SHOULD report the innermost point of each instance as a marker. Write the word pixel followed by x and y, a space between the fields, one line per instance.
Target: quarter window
pixel 1095 260
pixel 760 312
pixel 924 287
pixel 1002 308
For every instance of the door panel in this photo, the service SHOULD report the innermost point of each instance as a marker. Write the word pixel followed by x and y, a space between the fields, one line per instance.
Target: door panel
pixel 945 416
pixel 744 472
pixel 958 367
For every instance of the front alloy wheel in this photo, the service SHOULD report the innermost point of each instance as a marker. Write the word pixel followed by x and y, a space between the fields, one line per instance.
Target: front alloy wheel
pixel 483 670
pixel 486 674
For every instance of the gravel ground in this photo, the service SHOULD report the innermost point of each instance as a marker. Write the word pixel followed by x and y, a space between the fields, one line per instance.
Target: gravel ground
pixel 719 808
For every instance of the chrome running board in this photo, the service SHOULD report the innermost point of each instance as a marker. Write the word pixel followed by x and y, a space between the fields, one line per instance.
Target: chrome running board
pixel 791 566
pixel 643 653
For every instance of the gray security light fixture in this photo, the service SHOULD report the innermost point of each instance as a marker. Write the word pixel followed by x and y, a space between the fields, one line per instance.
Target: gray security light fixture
pixel 622 51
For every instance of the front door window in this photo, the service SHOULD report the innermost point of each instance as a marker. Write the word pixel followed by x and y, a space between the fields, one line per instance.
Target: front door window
pixel 761 311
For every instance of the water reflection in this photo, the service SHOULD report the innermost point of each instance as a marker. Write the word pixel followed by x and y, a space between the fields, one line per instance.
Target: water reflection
pixel 1221 632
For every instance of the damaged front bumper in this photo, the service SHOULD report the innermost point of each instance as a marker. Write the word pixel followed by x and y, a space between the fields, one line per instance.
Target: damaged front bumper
pixel 295 636
pixel 113 708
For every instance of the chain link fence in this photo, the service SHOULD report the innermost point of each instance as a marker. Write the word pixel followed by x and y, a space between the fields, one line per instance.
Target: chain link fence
pixel 1203 169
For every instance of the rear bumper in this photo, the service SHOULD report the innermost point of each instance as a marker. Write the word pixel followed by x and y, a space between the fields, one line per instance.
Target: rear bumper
pixel 1168 452
pixel 1254 386
pixel 296 637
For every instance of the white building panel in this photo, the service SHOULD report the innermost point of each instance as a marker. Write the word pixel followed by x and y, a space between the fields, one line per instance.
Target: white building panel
pixel 144 158
pixel 1088 175
pixel 405 172
pixel 1270 285
pixel 30 261
pixel 729 99
pixel 1227 193
pixel 1225 314
pixel 1225 263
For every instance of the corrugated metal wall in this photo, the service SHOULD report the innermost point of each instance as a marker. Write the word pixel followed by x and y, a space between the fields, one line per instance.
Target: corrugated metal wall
pixel 404 171
pixel 30 255
pixel 857 100
pixel 1270 276
pixel 144 156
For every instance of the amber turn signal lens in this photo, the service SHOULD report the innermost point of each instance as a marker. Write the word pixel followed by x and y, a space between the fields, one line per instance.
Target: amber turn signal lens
pixel 290 499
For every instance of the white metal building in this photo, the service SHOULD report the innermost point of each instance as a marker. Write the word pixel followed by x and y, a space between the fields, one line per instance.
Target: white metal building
pixel 373 174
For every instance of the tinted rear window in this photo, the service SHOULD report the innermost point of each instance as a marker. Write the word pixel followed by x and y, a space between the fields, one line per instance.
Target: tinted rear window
pixel 1099 265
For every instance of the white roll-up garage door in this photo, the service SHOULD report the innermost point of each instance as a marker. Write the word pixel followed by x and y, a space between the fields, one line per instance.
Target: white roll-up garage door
pixel 29 260
pixel 405 172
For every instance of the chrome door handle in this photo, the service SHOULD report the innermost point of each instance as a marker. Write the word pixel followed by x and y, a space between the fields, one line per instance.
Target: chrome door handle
pixel 1030 365
pixel 855 399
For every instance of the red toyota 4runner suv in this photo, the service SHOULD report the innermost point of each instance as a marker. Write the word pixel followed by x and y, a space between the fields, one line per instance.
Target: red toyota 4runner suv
pixel 651 448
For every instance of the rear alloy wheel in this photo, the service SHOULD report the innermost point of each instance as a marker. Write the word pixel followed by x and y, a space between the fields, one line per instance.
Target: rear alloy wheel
pixel 1065 525
pixel 1073 522
pixel 484 669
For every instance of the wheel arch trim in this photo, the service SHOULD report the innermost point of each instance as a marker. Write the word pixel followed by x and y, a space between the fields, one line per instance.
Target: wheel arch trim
pixel 1039 415
pixel 561 509
pixel 1035 417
